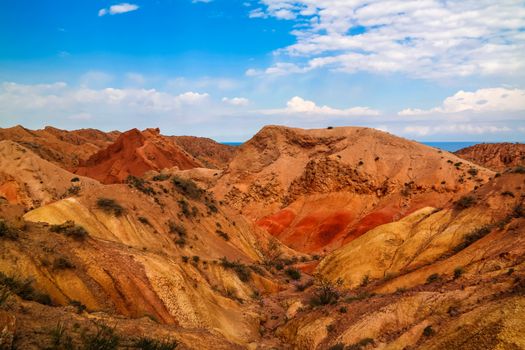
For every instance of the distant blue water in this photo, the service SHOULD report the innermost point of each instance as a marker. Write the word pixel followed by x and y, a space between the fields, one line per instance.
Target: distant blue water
pixel 450 146
pixel 232 143
pixel 445 146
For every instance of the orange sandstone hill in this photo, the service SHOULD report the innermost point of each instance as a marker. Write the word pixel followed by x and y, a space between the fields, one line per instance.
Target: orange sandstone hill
pixel 210 153
pixel 316 190
pixel 423 250
pixel 135 153
pixel 495 156
pixel 62 147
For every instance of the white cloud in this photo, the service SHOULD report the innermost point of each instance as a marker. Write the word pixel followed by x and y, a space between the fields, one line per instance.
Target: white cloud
pixel 468 129
pixel 479 101
pixel 192 97
pixel 236 101
pixel 300 106
pixel 60 98
pixel 421 38
pixel 118 9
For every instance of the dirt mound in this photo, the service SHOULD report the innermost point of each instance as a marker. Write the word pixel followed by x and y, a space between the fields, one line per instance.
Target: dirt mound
pixel 62 147
pixel 316 190
pixel 31 181
pixel 135 153
pixel 495 156
pixel 210 153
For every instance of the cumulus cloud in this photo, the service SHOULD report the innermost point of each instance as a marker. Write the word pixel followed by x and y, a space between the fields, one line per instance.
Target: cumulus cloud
pixel 118 9
pixel 236 101
pixel 83 103
pixel 479 101
pixel 421 38
pixel 300 106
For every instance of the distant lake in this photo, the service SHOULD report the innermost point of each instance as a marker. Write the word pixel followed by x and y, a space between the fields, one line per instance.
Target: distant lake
pixel 445 146
pixel 450 146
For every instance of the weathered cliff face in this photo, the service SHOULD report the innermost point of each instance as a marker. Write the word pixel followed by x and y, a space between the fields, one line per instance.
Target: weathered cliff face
pixel 318 189
pixel 210 154
pixel 437 279
pixel 31 181
pixel 135 153
pixel 156 249
pixel 495 156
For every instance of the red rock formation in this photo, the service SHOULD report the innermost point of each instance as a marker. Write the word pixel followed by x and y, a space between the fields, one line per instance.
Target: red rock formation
pixel 135 153
pixel 495 156
pixel 316 190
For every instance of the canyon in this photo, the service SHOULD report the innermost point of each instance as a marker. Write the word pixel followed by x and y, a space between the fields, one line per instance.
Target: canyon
pixel 336 238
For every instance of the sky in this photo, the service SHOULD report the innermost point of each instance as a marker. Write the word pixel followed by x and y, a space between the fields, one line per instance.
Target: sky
pixel 429 70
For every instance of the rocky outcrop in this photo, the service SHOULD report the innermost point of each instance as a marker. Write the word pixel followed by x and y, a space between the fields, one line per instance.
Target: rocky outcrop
pixel 210 153
pixel 495 156
pixel 135 153
pixel 318 189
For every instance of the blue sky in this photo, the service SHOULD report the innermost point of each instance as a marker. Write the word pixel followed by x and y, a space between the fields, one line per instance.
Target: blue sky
pixel 426 70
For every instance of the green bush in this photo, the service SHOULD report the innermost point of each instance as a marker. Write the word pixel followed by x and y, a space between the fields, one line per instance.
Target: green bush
pixel 458 271
pixel 177 228
pixel 187 187
pixel 428 331
pixel 23 288
pixel 103 339
pixel 144 220
pixel 140 184
pixel 62 263
pixel 293 273
pixel 473 171
pixel 145 343
pixel 185 208
pixel 59 339
pixel 519 170
pixel 473 237
pixel 302 287
pixel 161 177
pixel 325 293
pixel 223 234
pixel 465 202
pixel 433 278
pixel 110 206
pixel 70 229
pixel 358 297
pixel 242 271
pixel 80 307
pixel 7 232
pixel 365 281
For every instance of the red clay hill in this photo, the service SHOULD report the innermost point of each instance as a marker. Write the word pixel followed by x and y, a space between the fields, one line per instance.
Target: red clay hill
pixel 495 156
pixel 135 153
pixel 316 190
